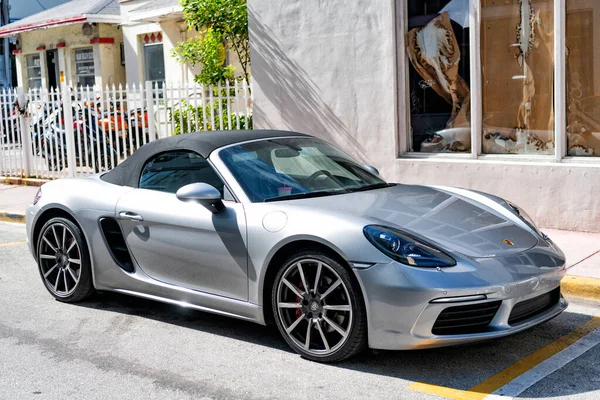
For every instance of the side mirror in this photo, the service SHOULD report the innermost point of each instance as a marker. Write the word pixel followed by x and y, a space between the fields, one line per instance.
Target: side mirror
pixel 202 193
pixel 372 169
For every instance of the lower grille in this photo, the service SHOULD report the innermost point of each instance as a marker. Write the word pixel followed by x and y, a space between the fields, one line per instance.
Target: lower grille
pixel 460 320
pixel 530 308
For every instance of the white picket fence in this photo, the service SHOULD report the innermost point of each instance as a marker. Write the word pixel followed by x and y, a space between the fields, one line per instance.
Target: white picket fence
pixel 77 132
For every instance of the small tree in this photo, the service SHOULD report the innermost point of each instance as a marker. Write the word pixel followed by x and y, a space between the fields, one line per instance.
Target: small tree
pixel 223 26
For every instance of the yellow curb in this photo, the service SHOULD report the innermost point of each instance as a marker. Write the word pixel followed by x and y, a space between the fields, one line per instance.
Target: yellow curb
pixel 12 217
pixel 505 376
pixel 581 287
pixel 22 181
pixel 12 244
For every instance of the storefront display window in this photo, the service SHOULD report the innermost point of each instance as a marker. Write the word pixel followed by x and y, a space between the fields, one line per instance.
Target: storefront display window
pixel 437 45
pixel 517 67
pixel 583 77
pixel 34 71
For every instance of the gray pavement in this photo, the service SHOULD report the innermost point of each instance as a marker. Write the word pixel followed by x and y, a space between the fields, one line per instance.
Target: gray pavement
pixel 574 385
pixel 114 346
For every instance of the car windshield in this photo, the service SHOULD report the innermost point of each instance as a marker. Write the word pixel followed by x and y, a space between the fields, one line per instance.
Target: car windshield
pixel 290 168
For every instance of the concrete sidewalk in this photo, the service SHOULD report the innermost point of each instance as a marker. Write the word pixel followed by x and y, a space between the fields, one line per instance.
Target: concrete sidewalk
pixel 15 199
pixel 582 249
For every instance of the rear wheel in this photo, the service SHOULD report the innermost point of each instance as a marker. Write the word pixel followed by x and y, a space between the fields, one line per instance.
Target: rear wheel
pixel 318 308
pixel 63 261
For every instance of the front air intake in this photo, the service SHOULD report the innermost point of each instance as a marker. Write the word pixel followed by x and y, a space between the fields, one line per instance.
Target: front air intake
pixel 116 243
pixel 528 309
pixel 460 320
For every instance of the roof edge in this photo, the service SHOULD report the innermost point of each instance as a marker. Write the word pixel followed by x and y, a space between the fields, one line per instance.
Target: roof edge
pixel 104 19
pixel 44 24
pixel 172 11
pixel 90 18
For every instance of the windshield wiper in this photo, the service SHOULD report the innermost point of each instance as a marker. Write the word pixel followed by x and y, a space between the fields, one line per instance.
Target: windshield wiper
pixel 306 195
pixel 373 186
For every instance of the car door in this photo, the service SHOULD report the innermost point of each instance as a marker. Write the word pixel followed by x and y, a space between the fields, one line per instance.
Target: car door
pixel 184 243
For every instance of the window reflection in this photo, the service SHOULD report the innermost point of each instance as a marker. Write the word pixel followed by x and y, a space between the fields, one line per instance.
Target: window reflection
pixel 437 44
pixel 517 60
pixel 583 78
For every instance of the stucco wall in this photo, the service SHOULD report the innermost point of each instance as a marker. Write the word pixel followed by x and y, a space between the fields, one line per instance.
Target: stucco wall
pixel 324 68
pixel 108 62
pixel 116 73
pixel 328 69
pixel 70 34
pixel 173 32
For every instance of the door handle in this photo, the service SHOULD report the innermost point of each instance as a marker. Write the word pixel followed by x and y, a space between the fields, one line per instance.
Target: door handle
pixel 131 216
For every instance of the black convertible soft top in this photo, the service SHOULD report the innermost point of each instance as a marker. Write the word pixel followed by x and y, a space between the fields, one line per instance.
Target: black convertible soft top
pixel 128 172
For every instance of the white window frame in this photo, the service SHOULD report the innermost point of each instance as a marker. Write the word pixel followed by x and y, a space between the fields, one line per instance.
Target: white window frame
pixel 560 101
pixel 144 61
pixel 75 62
pixel 28 68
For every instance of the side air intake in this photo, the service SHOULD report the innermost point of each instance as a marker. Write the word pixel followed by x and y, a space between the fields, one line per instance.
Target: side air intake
pixel 462 320
pixel 116 243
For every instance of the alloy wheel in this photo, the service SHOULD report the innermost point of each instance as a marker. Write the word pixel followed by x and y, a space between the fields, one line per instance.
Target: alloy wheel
pixel 59 257
pixel 314 307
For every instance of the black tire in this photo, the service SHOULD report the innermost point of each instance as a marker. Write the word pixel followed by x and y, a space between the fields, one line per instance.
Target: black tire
pixel 99 165
pixel 83 287
pixel 55 163
pixel 355 329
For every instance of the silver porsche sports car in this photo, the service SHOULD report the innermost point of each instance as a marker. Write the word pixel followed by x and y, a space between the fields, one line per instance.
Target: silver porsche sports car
pixel 275 226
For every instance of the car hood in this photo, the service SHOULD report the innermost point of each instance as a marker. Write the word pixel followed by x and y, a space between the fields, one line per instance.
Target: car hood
pixel 455 219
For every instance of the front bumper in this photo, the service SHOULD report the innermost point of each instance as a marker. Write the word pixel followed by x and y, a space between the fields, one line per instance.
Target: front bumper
pixel 401 314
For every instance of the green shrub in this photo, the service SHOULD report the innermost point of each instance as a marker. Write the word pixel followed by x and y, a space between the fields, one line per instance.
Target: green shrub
pixel 188 118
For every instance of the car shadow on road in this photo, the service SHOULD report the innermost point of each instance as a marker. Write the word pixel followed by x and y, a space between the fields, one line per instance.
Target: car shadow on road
pixel 187 318
pixel 460 367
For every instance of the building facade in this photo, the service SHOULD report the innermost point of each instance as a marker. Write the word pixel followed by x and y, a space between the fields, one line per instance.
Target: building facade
pixel 151 30
pixel 501 96
pixel 79 43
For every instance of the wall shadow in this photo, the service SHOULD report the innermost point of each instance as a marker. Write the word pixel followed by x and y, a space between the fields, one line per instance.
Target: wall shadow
pixel 289 88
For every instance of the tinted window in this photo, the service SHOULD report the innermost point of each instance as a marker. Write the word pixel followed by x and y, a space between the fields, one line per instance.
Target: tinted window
pixel 168 172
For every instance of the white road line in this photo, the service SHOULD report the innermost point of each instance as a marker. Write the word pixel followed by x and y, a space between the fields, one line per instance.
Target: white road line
pixel 520 384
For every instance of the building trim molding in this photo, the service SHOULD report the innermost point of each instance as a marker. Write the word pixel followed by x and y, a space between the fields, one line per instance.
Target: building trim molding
pixel 102 40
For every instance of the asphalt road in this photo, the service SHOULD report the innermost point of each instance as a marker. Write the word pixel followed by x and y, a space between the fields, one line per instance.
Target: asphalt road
pixel 115 346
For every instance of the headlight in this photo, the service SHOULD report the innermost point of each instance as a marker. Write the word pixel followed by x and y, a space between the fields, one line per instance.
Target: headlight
pixel 405 248
pixel 526 218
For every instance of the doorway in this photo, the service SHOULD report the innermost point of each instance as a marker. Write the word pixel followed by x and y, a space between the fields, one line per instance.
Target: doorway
pixel 53 69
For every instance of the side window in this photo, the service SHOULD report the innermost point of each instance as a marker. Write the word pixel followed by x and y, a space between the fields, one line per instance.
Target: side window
pixel 167 172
